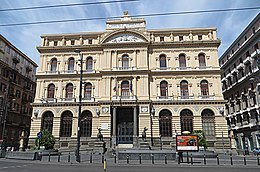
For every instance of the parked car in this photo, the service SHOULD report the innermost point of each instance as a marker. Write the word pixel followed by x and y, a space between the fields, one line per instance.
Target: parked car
pixel 256 151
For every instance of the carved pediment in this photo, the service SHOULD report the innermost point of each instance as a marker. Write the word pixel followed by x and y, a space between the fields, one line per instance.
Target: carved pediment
pixel 121 38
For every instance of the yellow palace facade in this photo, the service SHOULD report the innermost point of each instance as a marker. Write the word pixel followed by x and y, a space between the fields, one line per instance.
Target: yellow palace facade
pixel 167 80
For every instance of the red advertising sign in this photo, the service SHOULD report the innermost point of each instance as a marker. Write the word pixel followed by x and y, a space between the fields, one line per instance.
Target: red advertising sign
pixel 187 143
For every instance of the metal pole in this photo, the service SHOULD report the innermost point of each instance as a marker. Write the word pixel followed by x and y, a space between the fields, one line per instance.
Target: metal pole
pixel 5 99
pixel 79 110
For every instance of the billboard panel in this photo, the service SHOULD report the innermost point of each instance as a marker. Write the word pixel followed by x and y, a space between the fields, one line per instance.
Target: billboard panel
pixel 187 143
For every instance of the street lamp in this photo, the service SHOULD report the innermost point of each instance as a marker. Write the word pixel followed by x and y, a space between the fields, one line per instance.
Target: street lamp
pixel 80 102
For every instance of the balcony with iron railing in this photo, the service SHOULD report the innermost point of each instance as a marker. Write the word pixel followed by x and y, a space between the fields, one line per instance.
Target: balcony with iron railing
pixel 68 99
pixel 163 98
pixel 88 99
pixel 186 97
pixel 209 97
pixel 125 97
pixel 124 68
pixel 183 68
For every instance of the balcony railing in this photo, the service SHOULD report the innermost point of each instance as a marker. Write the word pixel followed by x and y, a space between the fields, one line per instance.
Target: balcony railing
pixel 185 97
pixel 164 98
pixel 88 99
pixel 183 68
pixel 203 67
pixel 52 72
pixel 68 72
pixel 124 97
pixel 206 96
pixel 124 68
pixel 68 99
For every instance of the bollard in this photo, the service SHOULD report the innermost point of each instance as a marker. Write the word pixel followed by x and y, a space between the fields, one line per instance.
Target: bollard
pixel 231 159
pixel 91 157
pixel 165 158
pixel 115 158
pixel 140 158
pixel 191 159
pixel 152 158
pixel 188 161
pixel 49 157
pixel 244 159
pixel 204 158
pixel 40 156
pixel 102 158
pixel 105 165
pixel 69 157
pixel 59 157
pixel 258 162
pixel 217 159
pixel 127 158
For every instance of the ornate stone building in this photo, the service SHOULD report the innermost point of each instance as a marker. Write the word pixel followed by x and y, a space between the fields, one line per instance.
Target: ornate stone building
pixel 240 84
pixel 17 91
pixel 167 80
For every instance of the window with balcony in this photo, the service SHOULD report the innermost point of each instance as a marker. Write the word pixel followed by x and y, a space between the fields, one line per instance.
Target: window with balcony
pixel 204 88
pixel 69 91
pixel 86 124
pixel 53 65
pixel 202 60
pixel 162 61
pixel 51 91
pixel 87 91
pixel 165 123
pixel 125 89
pixel 182 61
pixel 186 117
pixel 66 124
pixel 164 89
pixel 125 62
pixel 208 122
pixel 71 64
pixel 89 64
pixel 47 121
pixel 184 89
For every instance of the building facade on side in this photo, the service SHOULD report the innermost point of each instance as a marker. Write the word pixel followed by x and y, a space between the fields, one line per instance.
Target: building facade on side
pixel 165 80
pixel 17 91
pixel 240 85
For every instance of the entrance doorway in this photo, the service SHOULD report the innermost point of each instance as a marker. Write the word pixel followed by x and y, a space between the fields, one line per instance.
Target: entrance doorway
pixel 124 125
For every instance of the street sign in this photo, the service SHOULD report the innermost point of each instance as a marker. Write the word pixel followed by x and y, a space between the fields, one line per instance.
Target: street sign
pixel 39 135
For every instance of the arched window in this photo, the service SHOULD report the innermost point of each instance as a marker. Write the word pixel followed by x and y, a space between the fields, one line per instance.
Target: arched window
pixel 87 91
pixel 165 123
pixel 66 124
pixel 71 64
pixel 164 89
pixel 125 62
pixel 186 120
pixel 125 88
pixel 163 61
pixel 86 124
pixel 53 65
pixel 184 89
pixel 47 121
pixel 51 91
pixel 69 91
pixel 202 60
pixel 182 60
pixel 204 88
pixel 208 122
pixel 89 64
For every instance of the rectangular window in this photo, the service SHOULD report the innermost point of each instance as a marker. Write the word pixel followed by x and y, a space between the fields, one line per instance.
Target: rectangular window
pixel 199 37
pixel 55 43
pixel 161 38
pixel 72 42
pixel 181 38
pixel 90 41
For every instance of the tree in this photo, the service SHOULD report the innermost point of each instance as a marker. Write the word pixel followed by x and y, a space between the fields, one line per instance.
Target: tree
pixel 201 138
pixel 47 140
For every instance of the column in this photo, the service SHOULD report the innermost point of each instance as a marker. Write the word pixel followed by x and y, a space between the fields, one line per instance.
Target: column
pixel 114 127
pixel 135 137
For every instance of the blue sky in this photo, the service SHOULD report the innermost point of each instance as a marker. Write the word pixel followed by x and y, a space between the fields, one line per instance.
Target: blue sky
pixel 26 38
